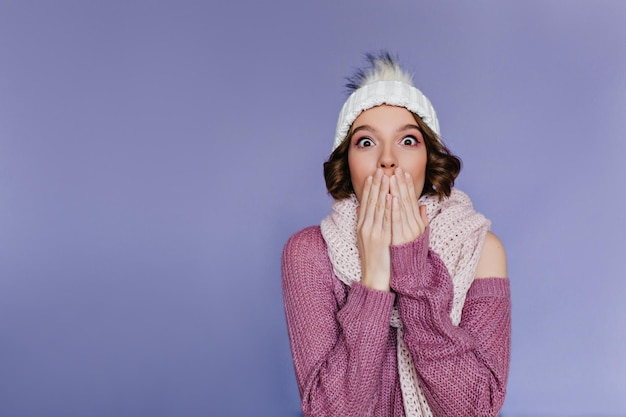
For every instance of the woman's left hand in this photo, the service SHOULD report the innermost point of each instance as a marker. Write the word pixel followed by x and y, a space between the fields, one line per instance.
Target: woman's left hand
pixel 408 218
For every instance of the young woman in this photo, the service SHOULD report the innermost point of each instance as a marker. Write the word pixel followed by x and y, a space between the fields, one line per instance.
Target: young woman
pixel 398 304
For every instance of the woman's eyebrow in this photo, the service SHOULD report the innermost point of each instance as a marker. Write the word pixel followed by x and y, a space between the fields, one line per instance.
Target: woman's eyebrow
pixel 364 127
pixel 408 127
pixel 373 130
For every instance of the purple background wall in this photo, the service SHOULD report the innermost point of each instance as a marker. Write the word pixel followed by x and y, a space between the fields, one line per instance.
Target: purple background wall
pixel 155 156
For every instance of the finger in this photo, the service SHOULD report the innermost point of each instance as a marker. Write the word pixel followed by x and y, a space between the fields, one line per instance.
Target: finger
pixel 375 189
pixel 402 190
pixel 424 216
pixel 409 209
pixel 387 233
pixel 410 205
pixel 413 196
pixel 396 222
pixel 399 219
pixel 372 199
pixel 362 208
pixel 393 185
pixel 381 203
pixel 385 185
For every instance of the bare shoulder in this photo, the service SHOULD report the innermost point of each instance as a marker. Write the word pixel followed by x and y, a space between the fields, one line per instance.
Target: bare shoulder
pixel 492 261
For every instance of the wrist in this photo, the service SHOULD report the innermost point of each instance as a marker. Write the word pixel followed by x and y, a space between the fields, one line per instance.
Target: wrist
pixel 409 262
pixel 378 281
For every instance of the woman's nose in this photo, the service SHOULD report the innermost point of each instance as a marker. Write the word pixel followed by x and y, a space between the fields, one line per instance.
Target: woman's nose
pixel 387 160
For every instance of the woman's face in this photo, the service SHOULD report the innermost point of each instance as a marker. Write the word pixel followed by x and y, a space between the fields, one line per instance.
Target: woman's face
pixel 386 137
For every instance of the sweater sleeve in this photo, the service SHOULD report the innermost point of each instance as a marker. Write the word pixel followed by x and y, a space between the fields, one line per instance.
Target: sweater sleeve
pixel 337 352
pixel 462 369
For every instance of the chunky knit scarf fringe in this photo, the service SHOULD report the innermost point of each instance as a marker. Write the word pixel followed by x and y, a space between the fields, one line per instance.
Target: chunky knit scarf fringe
pixel 457 233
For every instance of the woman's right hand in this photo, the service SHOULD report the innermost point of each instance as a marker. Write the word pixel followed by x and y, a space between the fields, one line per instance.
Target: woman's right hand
pixel 374 232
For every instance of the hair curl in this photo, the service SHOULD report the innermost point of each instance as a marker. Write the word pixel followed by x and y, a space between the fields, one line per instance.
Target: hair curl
pixel 442 167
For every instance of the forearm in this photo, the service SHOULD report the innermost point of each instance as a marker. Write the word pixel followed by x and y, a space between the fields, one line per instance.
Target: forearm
pixel 463 369
pixel 339 370
pixel 337 350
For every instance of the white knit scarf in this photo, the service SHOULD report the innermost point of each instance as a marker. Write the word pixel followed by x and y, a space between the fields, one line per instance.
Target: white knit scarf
pixel 457 233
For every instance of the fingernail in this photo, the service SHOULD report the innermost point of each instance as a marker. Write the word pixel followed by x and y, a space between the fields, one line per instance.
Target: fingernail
pixel 379 172
pixel 393 180
pixel 399 171
pixel 407 175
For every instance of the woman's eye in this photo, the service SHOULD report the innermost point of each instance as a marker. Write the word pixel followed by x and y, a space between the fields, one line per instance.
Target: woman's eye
pixel 409 141
pixel 364 142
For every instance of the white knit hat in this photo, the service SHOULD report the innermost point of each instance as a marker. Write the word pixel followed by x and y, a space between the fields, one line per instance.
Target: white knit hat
pixel 384 82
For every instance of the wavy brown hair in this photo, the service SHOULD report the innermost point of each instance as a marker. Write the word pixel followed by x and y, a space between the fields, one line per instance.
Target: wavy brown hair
pixel 442 167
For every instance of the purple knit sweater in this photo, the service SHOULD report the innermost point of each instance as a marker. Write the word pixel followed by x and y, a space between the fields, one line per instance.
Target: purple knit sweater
pixel 344 349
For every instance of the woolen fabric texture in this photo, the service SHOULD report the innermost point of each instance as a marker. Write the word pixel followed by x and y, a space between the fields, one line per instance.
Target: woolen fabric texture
pixel 345 349
pixel 457 233
pixel 391 92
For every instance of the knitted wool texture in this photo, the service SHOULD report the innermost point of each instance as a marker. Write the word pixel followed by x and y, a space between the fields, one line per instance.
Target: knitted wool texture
pixel 393 93
pixel 457 233
pixel 384 82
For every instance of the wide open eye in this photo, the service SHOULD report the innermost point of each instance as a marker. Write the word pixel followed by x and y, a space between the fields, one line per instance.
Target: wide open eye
pixel 364 143
pixel 409 141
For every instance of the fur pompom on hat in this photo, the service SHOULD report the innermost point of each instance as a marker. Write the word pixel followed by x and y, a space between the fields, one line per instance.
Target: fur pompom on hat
pixel 383 81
